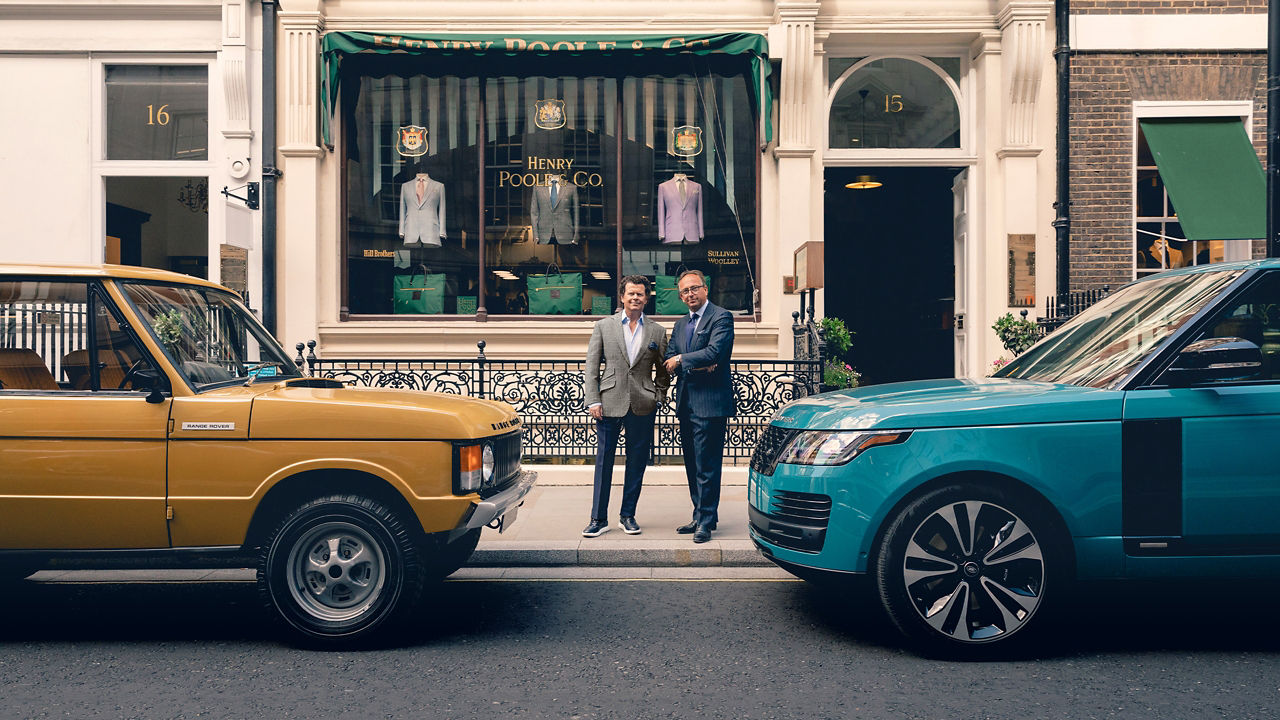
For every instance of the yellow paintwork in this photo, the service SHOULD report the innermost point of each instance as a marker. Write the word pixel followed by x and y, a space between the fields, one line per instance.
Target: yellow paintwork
pixel 91 470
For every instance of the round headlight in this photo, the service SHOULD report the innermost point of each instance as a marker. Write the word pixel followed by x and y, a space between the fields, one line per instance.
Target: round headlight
pixel 486 462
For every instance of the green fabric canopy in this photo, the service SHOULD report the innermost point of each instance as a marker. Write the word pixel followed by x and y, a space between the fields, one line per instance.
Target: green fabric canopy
pixel 337 44
pixel 1212 174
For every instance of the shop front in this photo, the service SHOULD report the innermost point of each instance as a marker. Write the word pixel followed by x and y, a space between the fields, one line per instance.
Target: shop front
pixel 481 175
pixel 496 178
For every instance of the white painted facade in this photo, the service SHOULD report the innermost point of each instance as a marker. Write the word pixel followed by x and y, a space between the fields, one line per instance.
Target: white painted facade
pixel 1005 95
pixel 52 59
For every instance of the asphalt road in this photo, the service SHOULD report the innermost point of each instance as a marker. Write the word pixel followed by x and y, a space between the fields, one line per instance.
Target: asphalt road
pixel 624 649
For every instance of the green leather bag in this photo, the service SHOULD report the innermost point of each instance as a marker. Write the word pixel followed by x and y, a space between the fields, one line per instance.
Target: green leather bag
pixel 555 294
pixel 418 294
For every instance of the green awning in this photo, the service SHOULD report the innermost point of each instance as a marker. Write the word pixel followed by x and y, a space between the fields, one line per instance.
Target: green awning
pixel 335 45
pixel 1212 174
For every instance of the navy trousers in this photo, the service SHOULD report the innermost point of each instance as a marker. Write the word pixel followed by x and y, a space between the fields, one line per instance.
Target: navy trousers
pixel 702 441
pixel 639 429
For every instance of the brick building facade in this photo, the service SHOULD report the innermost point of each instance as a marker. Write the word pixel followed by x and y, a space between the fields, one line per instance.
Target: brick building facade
pixel 1108 81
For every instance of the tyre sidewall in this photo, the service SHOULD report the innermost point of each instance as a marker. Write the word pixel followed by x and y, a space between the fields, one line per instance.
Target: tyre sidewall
pixel 897 603
pixel 399 555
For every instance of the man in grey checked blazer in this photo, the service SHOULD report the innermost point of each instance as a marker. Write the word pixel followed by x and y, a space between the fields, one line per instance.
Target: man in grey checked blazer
pixel 624 395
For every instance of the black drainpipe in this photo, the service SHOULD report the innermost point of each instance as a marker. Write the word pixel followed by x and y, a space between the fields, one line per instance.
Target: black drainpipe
pixel 1273 127
pixel 269 171
pixel 1062 223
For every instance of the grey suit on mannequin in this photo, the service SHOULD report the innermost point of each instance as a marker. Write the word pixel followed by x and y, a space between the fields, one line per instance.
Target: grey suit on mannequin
pixel 679 220
pixel 559 218
pixel 422 221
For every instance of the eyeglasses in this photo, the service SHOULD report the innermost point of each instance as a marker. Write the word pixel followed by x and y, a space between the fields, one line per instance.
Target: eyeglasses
pixel 692 289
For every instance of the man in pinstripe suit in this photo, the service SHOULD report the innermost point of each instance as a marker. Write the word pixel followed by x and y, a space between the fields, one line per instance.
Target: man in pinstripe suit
pixel 698 358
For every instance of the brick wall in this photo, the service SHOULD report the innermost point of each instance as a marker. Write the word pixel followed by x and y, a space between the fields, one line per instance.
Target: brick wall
pixel 1166 7
pixel 1103 89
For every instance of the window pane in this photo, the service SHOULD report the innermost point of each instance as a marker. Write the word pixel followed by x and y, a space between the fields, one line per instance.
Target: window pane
pixel 159 222
pixel 44 326
pixel 895 103
pixel 157 112
pixel 419 237
pixel 550 169
pixel 711 225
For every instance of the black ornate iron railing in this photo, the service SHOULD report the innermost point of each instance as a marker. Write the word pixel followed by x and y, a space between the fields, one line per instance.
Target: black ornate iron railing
pixel 1062 307
pixel 549 396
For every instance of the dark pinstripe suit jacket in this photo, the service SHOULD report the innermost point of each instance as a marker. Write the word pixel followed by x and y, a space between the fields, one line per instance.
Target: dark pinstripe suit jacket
pixel 702 391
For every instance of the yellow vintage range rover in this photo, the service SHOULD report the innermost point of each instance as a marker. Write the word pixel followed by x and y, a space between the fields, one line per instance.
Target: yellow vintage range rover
pixel 148 417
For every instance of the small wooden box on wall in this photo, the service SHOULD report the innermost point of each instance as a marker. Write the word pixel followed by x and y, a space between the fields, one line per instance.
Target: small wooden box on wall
pixel 809 259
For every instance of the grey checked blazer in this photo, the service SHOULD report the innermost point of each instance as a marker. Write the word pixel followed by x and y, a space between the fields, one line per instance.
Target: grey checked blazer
pixel 621 385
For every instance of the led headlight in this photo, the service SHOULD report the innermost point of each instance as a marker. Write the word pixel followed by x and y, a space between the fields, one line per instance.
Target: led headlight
pixel 835 447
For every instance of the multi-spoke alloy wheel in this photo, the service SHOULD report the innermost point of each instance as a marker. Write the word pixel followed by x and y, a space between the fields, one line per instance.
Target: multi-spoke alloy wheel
pixel 339 568
pixel 965 566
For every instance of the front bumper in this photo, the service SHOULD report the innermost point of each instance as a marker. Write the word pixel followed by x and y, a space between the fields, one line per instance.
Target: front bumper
pixel 484 512
pixel 806 517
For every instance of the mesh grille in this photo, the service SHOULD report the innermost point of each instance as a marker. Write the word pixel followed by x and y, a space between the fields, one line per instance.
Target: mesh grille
pixel 765 457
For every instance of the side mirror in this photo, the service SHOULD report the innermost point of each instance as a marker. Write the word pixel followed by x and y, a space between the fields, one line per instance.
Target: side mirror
pixel 1215 360
pixel 149 379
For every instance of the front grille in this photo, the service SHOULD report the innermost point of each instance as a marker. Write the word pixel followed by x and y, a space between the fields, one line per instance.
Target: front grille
pixel 796 520
pixel 506 462
pixel 774 440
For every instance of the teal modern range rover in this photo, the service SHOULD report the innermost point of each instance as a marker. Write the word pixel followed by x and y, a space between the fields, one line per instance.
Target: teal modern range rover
pixel 1139 440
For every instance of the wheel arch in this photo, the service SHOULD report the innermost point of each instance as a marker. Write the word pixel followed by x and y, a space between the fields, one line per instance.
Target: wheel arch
pixel 296 489
pixel 1005 483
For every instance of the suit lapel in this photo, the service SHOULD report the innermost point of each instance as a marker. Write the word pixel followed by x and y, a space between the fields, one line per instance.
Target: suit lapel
pixel 621 334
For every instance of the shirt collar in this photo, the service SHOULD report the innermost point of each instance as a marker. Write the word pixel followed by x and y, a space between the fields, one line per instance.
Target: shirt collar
pixel 639 322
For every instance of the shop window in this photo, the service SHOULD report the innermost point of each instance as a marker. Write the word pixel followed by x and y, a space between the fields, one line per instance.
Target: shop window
pixel 895 103
pixel 157 112
pixel 542 187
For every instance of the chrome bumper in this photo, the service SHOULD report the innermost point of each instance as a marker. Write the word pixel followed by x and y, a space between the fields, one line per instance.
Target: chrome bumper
pixel 485 511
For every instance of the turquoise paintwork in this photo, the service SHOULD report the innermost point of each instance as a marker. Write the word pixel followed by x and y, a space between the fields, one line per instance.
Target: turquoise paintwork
pixel 1064 441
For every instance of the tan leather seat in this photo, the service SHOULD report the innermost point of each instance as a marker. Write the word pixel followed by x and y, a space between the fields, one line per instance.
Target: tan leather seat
pixel 75 365
pixel 22 369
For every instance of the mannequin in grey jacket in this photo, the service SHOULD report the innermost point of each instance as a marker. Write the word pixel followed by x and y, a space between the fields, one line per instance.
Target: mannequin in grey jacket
pixel 422 211
pixel 555 213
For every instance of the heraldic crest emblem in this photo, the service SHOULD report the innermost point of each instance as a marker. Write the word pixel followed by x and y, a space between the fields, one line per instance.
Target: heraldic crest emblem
pixel 549 114
pixel 411 140
pixel 686 140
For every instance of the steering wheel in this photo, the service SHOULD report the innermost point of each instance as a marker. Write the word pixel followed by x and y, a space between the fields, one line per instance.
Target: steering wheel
pixel 128 375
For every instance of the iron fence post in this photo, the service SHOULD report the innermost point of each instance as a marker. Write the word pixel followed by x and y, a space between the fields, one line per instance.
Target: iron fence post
pixel 480 371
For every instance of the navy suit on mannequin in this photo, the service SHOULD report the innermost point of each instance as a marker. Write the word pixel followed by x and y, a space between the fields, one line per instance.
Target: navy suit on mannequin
pixel 698 359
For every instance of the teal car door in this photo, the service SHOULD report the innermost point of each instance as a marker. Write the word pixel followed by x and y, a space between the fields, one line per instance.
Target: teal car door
pixel 1202 463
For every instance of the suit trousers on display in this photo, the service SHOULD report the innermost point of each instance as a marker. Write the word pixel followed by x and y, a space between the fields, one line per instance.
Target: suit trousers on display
pixel 639 430
pixel 702 441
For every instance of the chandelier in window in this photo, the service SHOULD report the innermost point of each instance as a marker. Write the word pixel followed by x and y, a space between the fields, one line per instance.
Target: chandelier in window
pixel 195 197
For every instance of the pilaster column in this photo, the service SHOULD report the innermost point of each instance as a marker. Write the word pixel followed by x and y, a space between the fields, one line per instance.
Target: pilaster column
pixel 798 101
pixel 302 238
pixel 237 132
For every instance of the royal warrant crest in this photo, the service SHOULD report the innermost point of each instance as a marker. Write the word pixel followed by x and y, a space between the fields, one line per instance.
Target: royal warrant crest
pixel 411 140
pixel 549 114
pixel 686 140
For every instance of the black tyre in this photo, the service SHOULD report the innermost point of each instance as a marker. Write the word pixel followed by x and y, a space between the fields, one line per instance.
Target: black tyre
pixel 340 569
pixel 966 570
pixel 446 558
